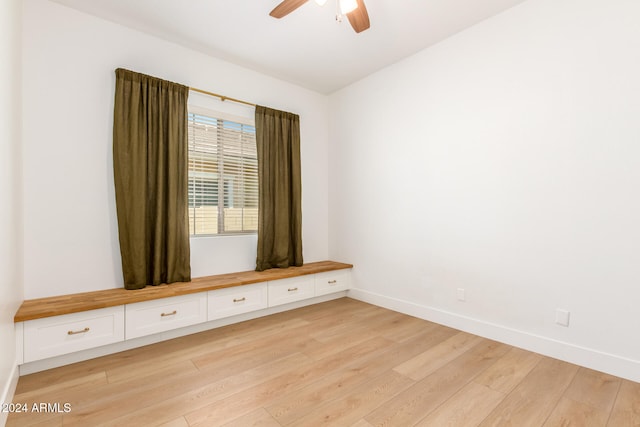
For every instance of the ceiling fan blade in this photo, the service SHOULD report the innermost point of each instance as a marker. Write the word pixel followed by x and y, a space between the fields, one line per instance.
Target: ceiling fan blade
pixel 286 7
pixel 359 18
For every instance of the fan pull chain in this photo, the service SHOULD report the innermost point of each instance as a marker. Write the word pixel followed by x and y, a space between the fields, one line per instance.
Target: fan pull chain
pixel 338 13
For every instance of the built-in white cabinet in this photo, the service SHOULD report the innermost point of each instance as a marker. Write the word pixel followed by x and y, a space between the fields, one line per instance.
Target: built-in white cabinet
pixel 53 336
pixel 290 290
pixel 332 281
pixel 237 300
pixel 152 317
pixel 57 335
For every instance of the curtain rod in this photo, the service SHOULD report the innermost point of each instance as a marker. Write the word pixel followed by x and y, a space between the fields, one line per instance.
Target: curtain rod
pixel 222 97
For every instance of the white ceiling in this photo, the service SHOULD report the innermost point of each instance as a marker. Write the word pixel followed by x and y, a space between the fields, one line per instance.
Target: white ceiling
pixel 307 47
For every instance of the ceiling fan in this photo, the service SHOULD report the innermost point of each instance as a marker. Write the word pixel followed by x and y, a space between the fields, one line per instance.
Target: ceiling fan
pixel 355 10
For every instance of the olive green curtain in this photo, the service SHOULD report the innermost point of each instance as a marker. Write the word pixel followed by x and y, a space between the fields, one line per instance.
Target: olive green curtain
pixel 150 162
pixel 280 189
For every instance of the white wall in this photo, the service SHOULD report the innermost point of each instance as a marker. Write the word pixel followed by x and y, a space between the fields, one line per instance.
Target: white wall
pixel 11 288
pixel 71 242
pixel 503 161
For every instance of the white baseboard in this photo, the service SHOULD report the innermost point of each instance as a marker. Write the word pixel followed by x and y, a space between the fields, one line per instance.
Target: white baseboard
pixel 54 362
pixel 8 392
pixel 589 358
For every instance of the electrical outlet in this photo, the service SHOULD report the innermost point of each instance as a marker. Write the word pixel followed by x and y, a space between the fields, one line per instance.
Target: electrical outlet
pixel 460 294
pixel 562 317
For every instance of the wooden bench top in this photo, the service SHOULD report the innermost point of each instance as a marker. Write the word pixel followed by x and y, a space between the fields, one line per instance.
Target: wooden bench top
pixel 74 303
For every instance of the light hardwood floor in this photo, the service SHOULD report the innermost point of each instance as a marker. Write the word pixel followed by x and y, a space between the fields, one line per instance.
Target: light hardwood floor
pixel 343 363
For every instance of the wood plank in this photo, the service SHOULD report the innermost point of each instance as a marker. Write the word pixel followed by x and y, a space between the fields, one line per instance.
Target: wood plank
pixel 55 421
pixel 319 350
pixel 409 328
pixel 162 403
pixel 134 394
pixel 398 327
pixel 343 308
pixel 532 401
pixel 626 410
pixel 57 392
pixel 467 408
pixel 438 356
pixel 52 390
pixel 219 378
pixel 240 361
pixel 151 371
pixel 74 303
pixel 359 402
pixel 508 371
pixel 595 389
pixel 292 406
pixel 258 418
pixel 342 335
pixel 265 393
pixel 240 394
pixel 415 403
pixel 369 319
pixel 569 413
pixel 178 422
pixel 98 405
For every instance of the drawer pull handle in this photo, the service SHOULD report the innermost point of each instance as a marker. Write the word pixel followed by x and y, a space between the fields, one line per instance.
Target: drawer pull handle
pixel 82 331
pixel 239 299
pixel 292 289
pixel 332 282
pixel 173 313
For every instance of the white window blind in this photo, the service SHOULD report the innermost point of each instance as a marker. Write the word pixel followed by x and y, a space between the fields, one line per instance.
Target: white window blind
pixel 223 174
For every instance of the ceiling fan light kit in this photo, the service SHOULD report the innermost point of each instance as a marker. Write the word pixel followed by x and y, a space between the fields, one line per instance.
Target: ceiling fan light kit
pixel 355 10
pixel 347 6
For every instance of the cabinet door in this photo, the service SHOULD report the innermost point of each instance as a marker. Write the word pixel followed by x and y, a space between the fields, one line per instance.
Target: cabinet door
pixel 57 335
pixel 151 317
pixel 332 281
pixel 289 290
pixel 237 300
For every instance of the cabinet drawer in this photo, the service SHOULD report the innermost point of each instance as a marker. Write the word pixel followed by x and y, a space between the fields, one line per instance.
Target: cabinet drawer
pixel 290 290
pixel 151 317
pixel 57 335
pixel 237 300
pixel 332 281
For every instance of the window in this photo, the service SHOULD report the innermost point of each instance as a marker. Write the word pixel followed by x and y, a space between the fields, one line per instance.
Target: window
pixel 223 174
